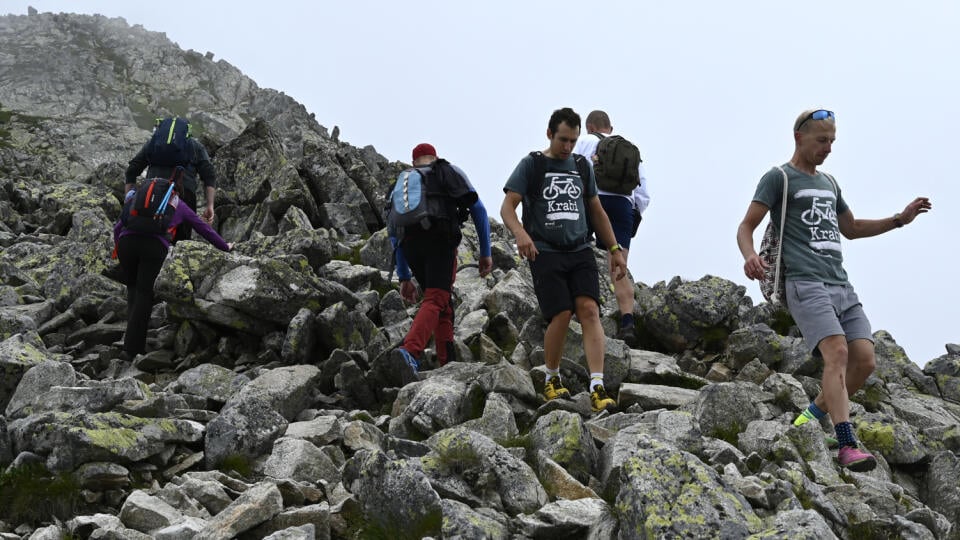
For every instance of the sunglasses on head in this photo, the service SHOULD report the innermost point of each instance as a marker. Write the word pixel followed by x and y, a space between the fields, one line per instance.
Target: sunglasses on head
pixel 822 114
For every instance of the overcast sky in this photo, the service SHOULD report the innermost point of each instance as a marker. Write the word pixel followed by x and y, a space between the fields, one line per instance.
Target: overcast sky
pixel 708 90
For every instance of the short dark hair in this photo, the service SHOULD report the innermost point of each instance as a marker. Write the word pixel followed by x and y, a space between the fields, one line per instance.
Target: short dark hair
pixel 565 115
pixel 598 119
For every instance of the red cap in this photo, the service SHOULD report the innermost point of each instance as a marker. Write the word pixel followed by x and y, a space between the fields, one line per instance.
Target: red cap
pixel 423 149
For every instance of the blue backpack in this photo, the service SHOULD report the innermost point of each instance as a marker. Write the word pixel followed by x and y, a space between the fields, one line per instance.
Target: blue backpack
pixel 169 145
pixel 424 198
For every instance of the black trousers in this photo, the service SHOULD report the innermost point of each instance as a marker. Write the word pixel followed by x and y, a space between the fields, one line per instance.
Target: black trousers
pixel 140 260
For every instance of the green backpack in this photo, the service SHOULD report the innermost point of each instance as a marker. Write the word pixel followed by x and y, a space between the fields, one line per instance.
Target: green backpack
pixel 617 165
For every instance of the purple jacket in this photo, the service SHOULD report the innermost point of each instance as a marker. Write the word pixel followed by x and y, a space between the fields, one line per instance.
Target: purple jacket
pixel 182 214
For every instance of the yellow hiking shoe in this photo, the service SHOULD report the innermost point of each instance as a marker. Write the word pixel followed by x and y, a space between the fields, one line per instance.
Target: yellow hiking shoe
pixel 600 401
pixel 804 417
pixel 554 389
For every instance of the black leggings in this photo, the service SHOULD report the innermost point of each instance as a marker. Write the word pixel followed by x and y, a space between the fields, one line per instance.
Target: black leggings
pixel 140 260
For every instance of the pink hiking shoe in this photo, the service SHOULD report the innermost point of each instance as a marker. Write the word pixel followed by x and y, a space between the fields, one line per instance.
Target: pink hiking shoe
pixel 856 459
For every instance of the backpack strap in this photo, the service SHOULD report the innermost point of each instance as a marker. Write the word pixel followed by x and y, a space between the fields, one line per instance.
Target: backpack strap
pixel 783 221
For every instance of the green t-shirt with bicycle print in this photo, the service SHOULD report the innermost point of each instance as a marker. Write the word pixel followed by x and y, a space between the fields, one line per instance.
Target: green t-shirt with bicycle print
pixel 811 238
pixel 560 213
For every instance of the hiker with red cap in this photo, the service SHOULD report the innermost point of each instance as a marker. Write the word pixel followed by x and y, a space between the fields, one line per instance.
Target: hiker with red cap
pixel 428 204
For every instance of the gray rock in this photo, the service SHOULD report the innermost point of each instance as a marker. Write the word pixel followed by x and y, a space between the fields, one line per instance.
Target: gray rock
pixel 654 396
pixel 300 342
pixel 208 493
pixel 213 382
pixel 246 428
pixel 300 460
pixel 648 367
pixel 184 530
pixel 675 494
pixel 725 409
pixel 146 513
pixel 303 532
pixel 435 404
pixel 315 516
pixel 462 521
pixel 71 439
pixel 39 379
pixel 286 389
pixel 498 478
pixel 583 518
pixel 321 431
pixel 498 421
pixel 797 525
pixel 756 342
pixel 558 483
pixel 90 396
pixel 50 532
pixel 258 504
pixel 361 435
pixel 942 492
pixel 513 294
pixel 693 313
pixel 18 354
pixel 395 495
pixel 565 439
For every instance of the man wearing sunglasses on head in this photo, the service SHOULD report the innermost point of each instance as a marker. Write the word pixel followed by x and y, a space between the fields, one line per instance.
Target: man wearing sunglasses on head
pixel 819 296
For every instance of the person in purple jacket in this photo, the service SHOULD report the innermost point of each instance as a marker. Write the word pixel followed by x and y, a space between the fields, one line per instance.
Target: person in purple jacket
pixel 141 256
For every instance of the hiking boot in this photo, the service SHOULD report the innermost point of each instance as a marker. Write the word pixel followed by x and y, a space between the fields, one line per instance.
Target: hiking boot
pixel 856 459
pixel 405 365
pixel 554 389
pixel 628 334
pixel 600 401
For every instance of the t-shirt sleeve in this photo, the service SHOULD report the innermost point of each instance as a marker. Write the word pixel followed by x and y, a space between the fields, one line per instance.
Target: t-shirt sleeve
pixel 520 176
pixel 770 190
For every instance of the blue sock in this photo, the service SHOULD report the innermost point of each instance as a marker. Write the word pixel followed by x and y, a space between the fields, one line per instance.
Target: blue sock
pixel 816 411
pixel 845 434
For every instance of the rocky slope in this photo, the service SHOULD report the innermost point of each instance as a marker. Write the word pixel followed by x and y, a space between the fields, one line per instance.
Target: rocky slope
pixel 265 408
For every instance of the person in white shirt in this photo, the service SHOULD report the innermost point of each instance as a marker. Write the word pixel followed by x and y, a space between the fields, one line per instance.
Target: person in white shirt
pixel 625 213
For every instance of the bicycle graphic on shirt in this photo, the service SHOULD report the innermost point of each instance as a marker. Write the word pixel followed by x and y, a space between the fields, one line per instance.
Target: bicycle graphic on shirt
pixel 559 187
pixel 819 211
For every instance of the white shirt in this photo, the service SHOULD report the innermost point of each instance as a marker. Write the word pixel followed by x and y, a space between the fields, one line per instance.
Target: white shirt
pixel 587 146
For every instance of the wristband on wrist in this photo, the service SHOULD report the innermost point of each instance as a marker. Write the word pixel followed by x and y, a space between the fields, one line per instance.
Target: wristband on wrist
pixel 615 248
pixel 896 221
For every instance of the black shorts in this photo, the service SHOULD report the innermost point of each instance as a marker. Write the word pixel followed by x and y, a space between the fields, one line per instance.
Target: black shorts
pixel 560 277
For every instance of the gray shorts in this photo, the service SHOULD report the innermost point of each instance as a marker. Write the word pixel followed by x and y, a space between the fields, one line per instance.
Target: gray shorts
pixel 822 310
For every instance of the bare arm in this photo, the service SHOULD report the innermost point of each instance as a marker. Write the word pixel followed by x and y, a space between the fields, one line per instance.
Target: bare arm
pixel 852 228
pixel 210 194
pixel 601 224
pixel 753 266
pixel 508 213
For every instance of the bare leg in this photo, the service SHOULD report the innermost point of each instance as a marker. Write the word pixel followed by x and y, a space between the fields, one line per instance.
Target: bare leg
pixel 588 312
pixel 834 385
pixel 623 289
pixel 862 362
pixel 554 338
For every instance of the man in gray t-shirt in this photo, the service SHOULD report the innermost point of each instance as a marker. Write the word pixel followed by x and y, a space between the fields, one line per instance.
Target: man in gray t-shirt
pixel 559 197
pixel 819 296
